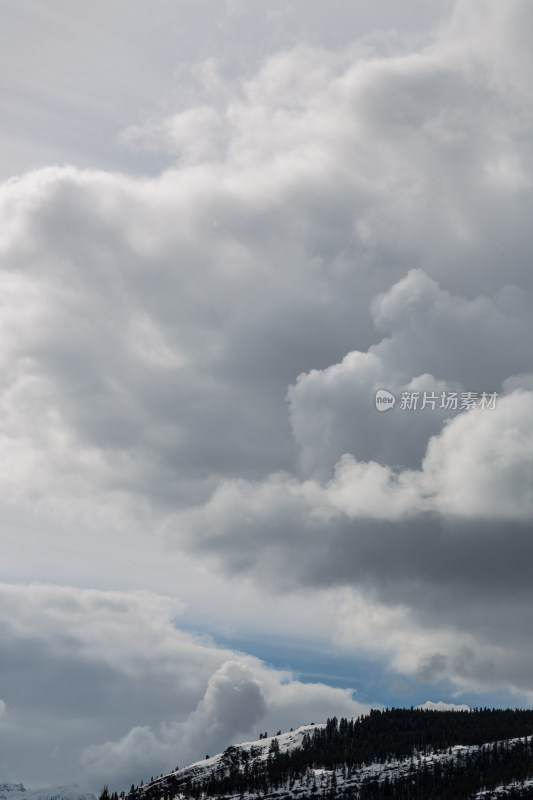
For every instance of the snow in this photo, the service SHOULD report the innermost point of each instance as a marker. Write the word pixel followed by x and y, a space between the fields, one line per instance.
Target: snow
pixel 501 791
pixel 286 741
pixel 259 750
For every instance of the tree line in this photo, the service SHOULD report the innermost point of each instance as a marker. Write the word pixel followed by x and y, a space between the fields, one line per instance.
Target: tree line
pixel 344 746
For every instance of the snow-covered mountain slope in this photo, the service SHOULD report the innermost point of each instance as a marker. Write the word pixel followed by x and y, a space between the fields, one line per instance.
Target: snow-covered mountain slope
pixel 223 762
pixel 17 791
pixel 316 782
pixel 501 792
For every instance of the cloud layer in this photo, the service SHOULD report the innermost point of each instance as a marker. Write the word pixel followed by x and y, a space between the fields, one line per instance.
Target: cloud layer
pixel 188 369
pixel 106 684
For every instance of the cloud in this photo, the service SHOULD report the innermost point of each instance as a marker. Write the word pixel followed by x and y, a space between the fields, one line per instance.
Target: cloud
pixel 332 184
pixel 241 700
pixel 334 222
pixel 122 693
pixel 435 342
pixel 478 467
pixel 191 135
pixel 423 628
pixel 440 706
pixel 233 703
pixel 454 533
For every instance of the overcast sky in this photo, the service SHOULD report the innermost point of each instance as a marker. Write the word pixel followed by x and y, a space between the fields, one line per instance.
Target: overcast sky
pixel 225 225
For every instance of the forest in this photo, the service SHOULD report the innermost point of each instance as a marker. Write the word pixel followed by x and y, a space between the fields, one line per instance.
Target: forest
pixel 392 754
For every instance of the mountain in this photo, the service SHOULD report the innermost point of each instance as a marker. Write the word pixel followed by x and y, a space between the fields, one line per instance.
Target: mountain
pixel 17 791
pixel 395 754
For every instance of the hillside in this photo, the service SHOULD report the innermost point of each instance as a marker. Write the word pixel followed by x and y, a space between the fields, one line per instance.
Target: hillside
pixel 397 754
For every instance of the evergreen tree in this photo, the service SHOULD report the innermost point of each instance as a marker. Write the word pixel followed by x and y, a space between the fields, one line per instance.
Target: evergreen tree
pixel 104 794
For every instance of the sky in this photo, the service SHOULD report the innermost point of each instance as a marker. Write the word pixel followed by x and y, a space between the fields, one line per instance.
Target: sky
pixel 228 230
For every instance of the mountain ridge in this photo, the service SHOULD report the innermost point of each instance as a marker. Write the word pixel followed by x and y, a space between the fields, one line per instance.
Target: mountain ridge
pixel 386 755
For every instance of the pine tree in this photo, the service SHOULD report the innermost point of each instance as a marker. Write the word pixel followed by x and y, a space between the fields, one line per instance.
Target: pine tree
pixel 104 794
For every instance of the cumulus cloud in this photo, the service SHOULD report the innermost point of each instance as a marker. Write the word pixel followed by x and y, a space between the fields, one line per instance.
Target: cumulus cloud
pixel 478 467
pixel 435 342
pixel 233 702
pixel 122 693
pixel 127 375
pixel 241 699
pixel 440 706
pixel 453 533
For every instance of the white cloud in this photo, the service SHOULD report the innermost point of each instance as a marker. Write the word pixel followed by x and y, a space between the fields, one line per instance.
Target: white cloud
pixel 449 533
pixel 190 136
pixel 440 706
pixel 241 700
pixel 122 692
pixel 329 175
pixel 473 655
pixel 434 342
pixel 479 466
